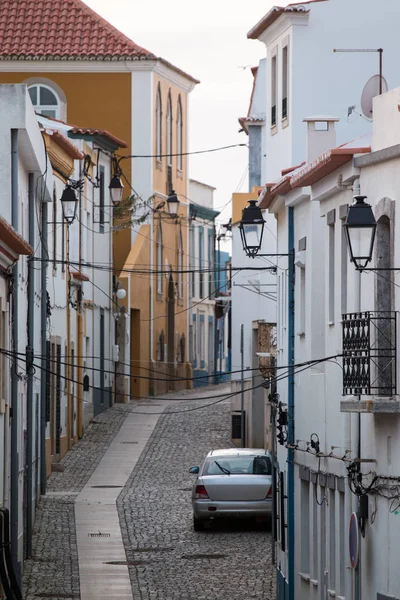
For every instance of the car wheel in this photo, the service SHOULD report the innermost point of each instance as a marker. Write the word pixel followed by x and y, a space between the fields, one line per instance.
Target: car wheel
pixel 198 524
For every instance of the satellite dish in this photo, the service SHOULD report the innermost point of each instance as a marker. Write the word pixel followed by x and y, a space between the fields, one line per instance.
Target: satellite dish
pixel 370 91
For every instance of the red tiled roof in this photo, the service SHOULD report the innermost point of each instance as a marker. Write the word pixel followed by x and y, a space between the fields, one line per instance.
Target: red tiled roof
pixel 66 145
pixel 275 13
pixel 61 29
pixel 99 132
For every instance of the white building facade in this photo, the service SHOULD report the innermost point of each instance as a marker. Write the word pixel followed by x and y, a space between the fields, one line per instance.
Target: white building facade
pixel 300 42
pixel 335 424
pixel 203 284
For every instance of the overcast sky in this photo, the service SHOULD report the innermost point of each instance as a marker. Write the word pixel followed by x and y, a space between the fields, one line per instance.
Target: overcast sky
pixel 208 40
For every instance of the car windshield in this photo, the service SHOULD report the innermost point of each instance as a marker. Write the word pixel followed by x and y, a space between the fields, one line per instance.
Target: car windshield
pixel 238 465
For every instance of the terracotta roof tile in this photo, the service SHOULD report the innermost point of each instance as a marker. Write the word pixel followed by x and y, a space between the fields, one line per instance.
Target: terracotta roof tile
pixel 61 29
pixel 81 131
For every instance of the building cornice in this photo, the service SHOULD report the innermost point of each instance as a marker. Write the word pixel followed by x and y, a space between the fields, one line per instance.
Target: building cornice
pixel 160 66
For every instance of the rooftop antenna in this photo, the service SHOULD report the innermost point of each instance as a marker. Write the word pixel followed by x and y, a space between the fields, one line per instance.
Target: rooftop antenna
pixel 375 86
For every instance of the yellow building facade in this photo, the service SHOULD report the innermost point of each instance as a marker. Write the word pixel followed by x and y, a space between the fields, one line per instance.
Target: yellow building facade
pixel 105 80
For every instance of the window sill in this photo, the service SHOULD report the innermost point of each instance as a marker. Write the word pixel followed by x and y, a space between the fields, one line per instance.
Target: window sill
pixel 340 598
pixel 285 122
pixel 331 323
pixel 301 334
pixel 159 297
pixel 305 577
pixel 179 173
pixel 314 582
pixel 332 593
pixel 274 129
pixel 180 301
pixel 159 165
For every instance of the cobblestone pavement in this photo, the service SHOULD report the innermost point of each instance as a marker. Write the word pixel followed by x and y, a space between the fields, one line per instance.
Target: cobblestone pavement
pixel 53 570
pixel 167 559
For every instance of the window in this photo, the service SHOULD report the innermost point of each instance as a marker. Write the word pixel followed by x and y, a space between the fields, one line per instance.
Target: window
pixel 54 232
pixel 181 349
pixel 331 274
pixel 180 264
pixel 159 125
pixel 159 259
pixel 161 347
pixel 169 131
pixel 302 312
pixel 194 351
pixel 273 89
pixel 201 275
pixel 179 135
pixel 342 543
pixel 101 201
pixel 45 100
pixel 192 260
pixel 305 527
pixel 202 341
pixel 211 262
pixel 332 540
pixel 343 271
pixel 285 82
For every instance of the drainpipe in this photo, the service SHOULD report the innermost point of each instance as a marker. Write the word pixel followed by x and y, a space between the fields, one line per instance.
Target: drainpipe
pixel 30 351
pixel 291 437
pixel 217 263
pixel 43 322
pixel 14 372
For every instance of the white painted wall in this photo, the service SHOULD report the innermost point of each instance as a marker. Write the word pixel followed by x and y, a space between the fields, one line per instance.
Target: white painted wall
pixel 320 80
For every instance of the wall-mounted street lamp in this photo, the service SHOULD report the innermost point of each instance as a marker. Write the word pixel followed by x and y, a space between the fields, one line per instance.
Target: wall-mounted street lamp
pixel 173 204
pixel 69 203
pixel 252 228
pixel 360 227
pixel 116 188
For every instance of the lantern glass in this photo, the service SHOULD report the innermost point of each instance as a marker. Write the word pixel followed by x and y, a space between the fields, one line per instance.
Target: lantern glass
pixel 69 203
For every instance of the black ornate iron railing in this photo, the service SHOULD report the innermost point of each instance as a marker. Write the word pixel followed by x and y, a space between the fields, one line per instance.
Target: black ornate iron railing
pixel 369 353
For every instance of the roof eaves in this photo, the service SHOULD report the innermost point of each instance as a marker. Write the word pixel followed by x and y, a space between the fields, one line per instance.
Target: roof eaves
pixel 65 144
pixel 317 169
pixel 94 134
pixel 273 15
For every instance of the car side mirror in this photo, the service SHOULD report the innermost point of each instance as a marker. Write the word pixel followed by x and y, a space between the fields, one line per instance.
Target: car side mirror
pixel 194 470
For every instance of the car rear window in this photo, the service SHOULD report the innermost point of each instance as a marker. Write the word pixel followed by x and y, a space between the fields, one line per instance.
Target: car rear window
pixel 238 465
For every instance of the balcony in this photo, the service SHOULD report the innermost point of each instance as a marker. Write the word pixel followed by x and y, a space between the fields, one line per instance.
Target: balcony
pixel 370 362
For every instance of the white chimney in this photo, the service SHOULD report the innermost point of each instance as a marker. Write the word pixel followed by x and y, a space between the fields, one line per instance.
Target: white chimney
pixel 321 135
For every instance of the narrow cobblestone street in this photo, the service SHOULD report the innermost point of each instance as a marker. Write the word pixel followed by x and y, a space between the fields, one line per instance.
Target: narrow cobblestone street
pixel 167 560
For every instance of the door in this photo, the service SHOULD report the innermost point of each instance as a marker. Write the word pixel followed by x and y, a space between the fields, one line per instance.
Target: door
pixel 135 354
pixel 171 332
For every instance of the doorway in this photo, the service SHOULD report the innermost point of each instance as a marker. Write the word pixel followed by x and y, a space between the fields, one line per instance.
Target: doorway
pixel 171 332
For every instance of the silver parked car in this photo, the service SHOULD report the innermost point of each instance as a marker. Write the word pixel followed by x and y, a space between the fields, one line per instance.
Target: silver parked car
pixel 234 482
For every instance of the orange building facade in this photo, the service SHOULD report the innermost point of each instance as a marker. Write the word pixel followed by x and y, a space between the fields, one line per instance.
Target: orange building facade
pixel 105 80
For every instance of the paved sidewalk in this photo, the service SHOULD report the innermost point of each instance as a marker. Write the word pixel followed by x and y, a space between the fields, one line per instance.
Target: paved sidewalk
pixel 102 560
pixel 53 570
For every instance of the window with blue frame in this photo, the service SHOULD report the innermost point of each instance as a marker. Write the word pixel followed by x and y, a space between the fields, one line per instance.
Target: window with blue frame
pixel 201 261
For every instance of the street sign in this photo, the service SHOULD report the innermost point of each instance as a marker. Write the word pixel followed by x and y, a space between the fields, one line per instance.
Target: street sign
pixel 353 540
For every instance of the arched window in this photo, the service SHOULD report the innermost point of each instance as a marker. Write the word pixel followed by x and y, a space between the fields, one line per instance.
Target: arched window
pixel 159 259
pixel 169 131
pixel 179 135
pixel 180 264
pixel 159 125
pixel 45 100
